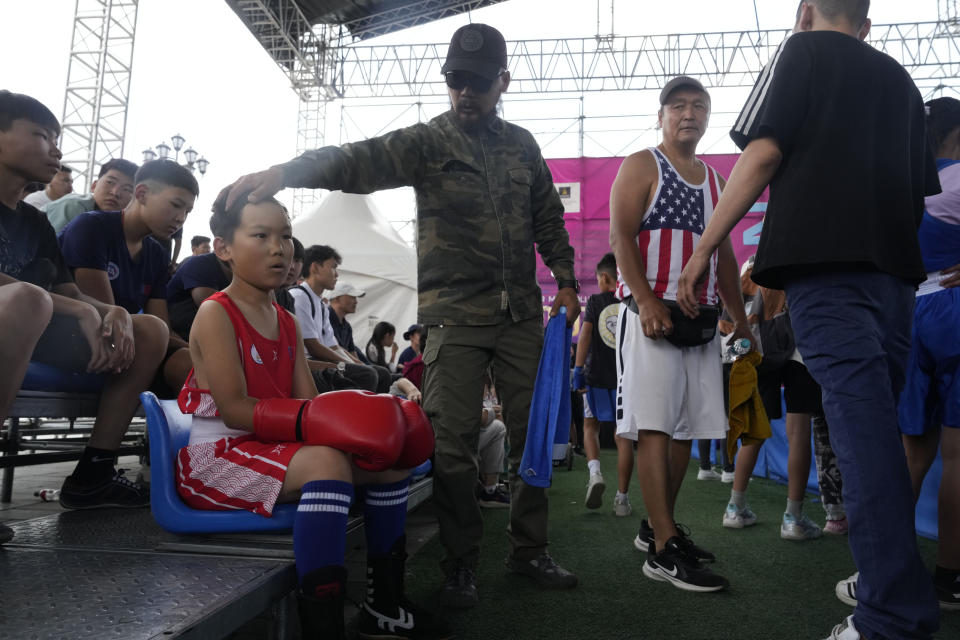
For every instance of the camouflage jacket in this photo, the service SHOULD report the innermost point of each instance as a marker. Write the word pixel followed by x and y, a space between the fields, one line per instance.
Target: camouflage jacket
pixel 483 200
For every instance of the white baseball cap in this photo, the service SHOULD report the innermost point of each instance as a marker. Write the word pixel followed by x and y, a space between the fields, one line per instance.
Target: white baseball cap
pixel 345 289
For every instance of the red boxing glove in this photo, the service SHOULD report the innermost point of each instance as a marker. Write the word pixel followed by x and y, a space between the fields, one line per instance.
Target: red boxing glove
pixel 278 419
pixel 367 425
pixel 418 440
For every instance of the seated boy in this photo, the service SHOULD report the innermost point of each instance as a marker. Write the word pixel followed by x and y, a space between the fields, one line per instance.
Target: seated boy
pixel 45 317
pixel 111 191
pixel 320 273
pixel 284 299
pixel 260 434
pixel 115 259
pixel 198 278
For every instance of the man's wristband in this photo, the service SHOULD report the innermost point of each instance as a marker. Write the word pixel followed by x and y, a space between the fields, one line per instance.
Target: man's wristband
pixel 569 284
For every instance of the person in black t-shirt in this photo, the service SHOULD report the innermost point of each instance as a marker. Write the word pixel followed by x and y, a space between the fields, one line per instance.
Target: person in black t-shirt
pixel 836 128
pixel 198 278
pixel 45 317
pixel 595 375
pixel 116 259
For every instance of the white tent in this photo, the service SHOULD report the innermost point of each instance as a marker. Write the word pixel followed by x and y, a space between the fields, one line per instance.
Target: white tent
pixel 375 259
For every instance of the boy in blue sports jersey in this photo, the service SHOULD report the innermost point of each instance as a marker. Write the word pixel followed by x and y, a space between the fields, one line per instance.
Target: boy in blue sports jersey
pixel 115 257
pixel 595 375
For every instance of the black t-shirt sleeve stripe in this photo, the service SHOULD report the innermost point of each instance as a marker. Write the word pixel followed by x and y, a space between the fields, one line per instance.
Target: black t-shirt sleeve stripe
pixel 752 116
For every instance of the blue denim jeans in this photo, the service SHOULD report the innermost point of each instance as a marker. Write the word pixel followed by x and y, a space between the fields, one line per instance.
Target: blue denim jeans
pixel 853 331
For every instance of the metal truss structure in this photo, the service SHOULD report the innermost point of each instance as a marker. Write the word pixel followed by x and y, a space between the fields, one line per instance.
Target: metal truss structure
pixel 930 51
pixel 94 118
pixel 409 15
pixel 324 67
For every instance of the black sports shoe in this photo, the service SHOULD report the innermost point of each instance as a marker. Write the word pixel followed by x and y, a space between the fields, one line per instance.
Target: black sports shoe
pixel 113 492
pixel 701 554
pixel 6 533
pixel 407 620
pixel 674 565
pixel 644 539
pixel 386 613
pixel 459 590
pixel 948 594
pixel 545 571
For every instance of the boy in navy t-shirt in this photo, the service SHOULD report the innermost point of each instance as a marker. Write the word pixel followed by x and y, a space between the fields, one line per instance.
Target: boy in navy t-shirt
pixel 198 278
pixel 44 317
pixel 115 260
pixel 595 375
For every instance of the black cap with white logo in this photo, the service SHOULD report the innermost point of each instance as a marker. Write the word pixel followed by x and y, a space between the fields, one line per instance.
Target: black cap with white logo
pixel 479 49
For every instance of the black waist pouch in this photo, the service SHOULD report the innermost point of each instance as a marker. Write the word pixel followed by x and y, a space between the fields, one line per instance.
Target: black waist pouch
pixel 687 332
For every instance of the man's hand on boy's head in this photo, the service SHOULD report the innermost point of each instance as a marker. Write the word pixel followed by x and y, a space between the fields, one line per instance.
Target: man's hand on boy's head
pixel 255 186
pixel 116 331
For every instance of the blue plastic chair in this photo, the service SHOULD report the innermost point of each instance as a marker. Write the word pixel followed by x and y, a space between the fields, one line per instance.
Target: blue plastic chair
pixel 169 431
pixel 43 377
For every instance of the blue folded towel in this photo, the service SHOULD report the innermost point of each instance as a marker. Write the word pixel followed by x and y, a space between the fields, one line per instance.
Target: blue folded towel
pixel 548 428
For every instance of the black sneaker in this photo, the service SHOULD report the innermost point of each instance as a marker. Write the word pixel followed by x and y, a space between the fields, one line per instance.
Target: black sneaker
pixel 545 571
pixel 948 594
pixel 686 542
pixel 644 539
pixel 459 590
pixel 499 499
pixel 674 565
pixel 114 492
pixel 6 533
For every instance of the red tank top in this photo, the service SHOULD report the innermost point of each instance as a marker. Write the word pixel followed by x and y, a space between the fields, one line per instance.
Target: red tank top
pixel 267 364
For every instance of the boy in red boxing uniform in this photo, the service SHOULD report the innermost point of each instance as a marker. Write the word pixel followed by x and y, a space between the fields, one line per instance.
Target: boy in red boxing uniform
pixel 261 434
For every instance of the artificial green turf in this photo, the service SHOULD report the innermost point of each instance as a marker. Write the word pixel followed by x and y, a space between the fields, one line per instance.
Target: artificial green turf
pixel 779 589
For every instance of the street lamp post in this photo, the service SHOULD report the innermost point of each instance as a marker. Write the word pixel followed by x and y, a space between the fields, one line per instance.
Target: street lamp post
pixel 193 158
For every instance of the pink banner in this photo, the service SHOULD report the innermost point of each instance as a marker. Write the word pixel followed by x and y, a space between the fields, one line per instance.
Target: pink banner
pixel 584 185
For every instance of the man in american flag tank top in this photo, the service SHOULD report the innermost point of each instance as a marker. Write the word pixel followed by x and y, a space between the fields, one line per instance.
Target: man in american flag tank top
pixel 669 394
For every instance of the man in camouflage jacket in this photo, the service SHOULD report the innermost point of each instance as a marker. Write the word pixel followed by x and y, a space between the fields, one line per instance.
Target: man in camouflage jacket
pixel 485 200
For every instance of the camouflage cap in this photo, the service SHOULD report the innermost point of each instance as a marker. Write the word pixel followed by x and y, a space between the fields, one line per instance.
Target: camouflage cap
pixel 477 48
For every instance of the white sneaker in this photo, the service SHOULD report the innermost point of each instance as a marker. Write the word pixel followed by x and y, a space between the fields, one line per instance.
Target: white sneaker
pixel 621 506
pixel 707 474
pixel 845 631
pixel 726 477
pixel 802 529
pixel 846 590
pixel 734 518
pixel 595 487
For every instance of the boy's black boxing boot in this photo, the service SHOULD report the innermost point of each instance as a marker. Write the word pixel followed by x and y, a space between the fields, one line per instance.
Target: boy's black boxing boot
pixel 320 602
pixel 386 612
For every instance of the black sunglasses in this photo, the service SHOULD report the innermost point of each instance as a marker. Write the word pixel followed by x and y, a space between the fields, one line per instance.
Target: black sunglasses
pixel 457 80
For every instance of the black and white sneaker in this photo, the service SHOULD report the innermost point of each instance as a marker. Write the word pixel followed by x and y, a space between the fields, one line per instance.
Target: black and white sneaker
pixel 948 593
pixel 116 491
pixel 645 540
pixel 701 554
pixel 674 565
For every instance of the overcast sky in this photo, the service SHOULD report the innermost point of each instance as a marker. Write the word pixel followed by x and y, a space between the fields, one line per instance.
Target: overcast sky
pixel 199 72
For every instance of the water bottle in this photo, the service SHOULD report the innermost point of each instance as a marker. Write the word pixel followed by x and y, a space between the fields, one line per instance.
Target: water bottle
pixel 47 495
pixel 738 348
